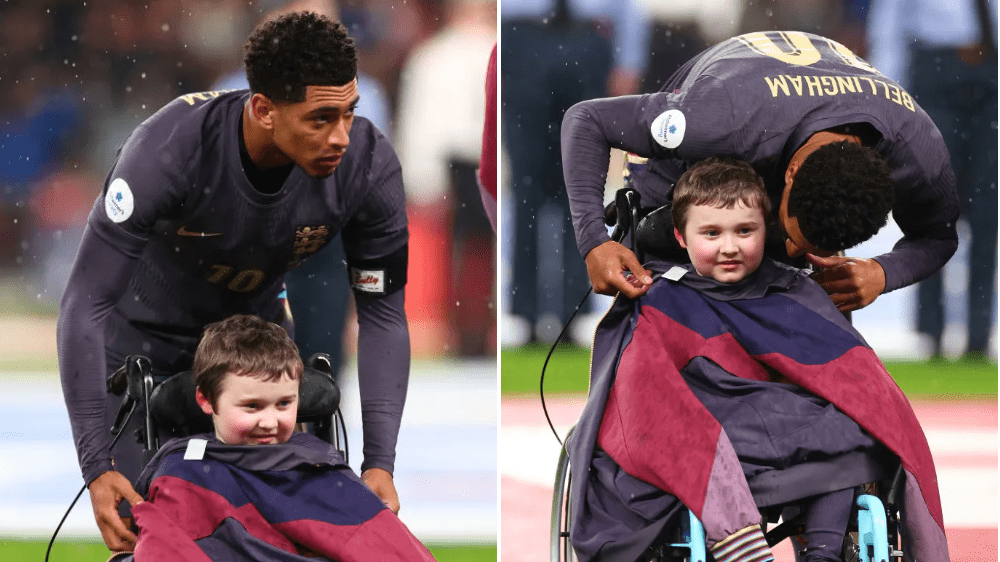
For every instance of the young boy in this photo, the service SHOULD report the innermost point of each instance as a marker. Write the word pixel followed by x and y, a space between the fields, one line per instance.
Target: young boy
pixel 735 384
pixel 257 490
pixel 718 212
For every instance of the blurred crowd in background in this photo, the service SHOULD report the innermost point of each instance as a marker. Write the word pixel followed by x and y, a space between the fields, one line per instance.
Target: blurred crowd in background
pixel 582 49
pixel 78 77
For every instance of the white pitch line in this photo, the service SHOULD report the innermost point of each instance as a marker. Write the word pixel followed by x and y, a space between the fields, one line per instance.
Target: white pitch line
pixel 978 442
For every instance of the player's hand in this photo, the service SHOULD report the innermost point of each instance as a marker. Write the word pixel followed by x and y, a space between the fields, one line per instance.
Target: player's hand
pixel 606 265
pixel 106 492
pixel 852 283
pixel 380 481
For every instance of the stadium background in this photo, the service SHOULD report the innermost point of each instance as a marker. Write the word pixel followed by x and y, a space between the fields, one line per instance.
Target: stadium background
pixel 77 77
pixel 955 398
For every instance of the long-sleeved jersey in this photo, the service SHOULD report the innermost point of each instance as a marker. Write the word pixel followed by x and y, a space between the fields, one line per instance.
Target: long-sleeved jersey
pixel 180 238
pixel 759 97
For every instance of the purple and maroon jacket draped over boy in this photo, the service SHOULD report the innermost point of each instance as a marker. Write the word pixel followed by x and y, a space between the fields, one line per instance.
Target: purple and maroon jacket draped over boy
pixel 668 368
pixel 286 503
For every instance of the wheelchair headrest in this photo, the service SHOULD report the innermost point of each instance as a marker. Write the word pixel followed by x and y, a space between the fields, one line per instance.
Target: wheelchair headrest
pixel 654 237
pixel 174 407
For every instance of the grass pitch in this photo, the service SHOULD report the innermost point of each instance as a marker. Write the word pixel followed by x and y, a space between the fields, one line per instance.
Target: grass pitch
pixel 568 372
pixel 75 550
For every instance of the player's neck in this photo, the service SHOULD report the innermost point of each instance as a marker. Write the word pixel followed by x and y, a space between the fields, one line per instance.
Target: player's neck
pixel 262 150
pixel 817 140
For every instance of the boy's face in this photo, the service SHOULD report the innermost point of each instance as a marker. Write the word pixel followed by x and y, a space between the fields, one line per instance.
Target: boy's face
pixel 724 244
pixel 252 411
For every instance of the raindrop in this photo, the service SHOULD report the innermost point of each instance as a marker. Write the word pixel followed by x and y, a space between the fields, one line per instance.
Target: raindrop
pixel 165 27
pixel 73 38
pixel 143 75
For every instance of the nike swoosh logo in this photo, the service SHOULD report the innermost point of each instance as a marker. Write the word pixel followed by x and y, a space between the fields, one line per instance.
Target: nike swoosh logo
pixel 182 231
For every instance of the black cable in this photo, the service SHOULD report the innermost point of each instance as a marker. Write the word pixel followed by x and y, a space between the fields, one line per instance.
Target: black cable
pixel 541 382
pixel 63 520
pixel 80 493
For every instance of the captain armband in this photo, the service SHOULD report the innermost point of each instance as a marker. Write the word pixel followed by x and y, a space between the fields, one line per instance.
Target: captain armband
pixel 380 276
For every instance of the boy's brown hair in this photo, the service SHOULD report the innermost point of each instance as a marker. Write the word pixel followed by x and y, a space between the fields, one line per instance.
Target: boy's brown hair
pixel 244 345
pixel 719 181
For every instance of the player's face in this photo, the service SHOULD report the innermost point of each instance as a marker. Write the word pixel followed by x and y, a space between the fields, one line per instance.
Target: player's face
pixel 252 411
pixel 795 242
pixel 314 133
pixel 724 244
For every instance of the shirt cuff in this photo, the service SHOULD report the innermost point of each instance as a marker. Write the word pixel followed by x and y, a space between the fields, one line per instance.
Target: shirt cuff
pixel 91 472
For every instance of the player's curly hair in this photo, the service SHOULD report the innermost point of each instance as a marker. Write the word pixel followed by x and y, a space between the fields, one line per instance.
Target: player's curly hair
pixel 286 54
pixel 841 195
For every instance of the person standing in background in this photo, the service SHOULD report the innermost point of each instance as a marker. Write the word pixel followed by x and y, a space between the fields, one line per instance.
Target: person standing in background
pixel 438 135
pixel 558 52
pixel 945 55
pixel 488 160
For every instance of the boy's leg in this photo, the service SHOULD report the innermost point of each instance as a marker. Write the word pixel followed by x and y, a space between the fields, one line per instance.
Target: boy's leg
pixel 826 523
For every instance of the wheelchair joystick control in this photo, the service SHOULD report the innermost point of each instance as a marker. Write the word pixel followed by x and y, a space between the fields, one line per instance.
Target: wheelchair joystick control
pixel 128 379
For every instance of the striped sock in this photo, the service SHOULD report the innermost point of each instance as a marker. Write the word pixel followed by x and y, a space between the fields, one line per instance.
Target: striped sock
pixel 745 545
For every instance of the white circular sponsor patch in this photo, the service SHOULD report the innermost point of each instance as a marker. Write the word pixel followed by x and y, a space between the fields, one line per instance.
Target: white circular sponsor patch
pixel 668 128
pixel 119 203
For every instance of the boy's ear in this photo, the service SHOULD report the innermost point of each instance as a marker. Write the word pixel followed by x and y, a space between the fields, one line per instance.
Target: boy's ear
pixel 204 403
pixel 680 238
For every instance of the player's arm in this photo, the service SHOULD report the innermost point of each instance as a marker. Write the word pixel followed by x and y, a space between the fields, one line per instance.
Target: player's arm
pixel 117 231
pixel 375 241
pixel 928 216
pixel 383 376
pixel 99 277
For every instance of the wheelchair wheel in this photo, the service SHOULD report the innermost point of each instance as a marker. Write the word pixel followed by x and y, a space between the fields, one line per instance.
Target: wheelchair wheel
pixel 560 549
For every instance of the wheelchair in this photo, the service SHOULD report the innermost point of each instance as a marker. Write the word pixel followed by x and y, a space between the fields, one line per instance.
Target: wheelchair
pixel 171 410
pixel 873 533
